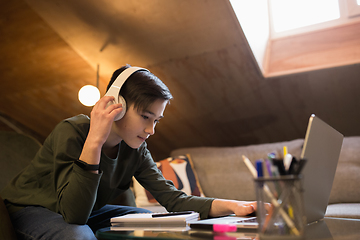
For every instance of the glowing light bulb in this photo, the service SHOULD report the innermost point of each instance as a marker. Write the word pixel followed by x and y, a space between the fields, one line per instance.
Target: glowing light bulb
pixel 89 95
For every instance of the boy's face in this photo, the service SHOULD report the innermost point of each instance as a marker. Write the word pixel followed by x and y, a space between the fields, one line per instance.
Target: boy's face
pixel 136 126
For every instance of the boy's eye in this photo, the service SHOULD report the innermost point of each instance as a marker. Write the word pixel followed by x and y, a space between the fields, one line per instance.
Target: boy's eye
pixel 146 118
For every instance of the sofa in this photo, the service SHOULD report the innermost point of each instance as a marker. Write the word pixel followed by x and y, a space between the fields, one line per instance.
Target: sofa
pixel 16 152
pixel 222 173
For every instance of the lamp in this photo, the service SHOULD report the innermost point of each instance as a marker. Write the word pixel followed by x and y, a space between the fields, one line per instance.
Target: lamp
pixel 89 94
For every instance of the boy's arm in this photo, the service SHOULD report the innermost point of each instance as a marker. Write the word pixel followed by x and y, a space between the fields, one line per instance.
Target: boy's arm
pixel 222 207
pixel 101 120
pixel 77 188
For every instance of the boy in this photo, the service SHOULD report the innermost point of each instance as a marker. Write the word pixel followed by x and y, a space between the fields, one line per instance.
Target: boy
pixel 87 162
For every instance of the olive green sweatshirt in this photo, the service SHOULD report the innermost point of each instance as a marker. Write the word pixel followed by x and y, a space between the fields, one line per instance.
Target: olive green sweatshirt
pixel 52 180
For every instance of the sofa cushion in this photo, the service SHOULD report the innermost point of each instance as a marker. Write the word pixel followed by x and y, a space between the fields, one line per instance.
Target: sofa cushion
pixel 222 172
pixel 347 178
pixel 180 171
pixel 16 152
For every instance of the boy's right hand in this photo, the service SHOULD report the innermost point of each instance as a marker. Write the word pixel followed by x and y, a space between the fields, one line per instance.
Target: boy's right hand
pixel 101 119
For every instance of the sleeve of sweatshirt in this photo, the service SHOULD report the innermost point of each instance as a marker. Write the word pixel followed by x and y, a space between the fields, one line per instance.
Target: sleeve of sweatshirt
pixel 76 188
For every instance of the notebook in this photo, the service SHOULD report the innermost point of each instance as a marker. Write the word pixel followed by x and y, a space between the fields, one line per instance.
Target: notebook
pixel 172 220
pixel 321 148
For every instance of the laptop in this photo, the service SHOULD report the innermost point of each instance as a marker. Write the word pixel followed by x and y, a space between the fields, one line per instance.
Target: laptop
pixel 322 146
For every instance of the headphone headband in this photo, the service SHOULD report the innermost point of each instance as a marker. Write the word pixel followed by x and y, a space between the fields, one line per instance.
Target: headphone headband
pixel 115 87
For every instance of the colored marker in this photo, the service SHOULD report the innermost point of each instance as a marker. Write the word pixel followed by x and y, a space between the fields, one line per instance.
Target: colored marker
pixel 224 228
pixel 259 168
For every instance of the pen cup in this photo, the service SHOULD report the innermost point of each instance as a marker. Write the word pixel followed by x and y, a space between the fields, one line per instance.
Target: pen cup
pixel 280 209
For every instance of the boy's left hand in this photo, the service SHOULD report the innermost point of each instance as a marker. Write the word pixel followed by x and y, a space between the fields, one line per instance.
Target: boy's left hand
pixel 222 207
pixel 245 208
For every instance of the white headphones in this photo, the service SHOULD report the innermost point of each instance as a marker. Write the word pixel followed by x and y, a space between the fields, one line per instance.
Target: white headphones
pixel 114 89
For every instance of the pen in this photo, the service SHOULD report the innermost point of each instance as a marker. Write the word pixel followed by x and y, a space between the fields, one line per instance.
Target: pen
pixel 279 163
pixel 285 151
pixel 155 215
pixel 293 165
pixel 274 169
pixel 268 167
pixel 259 168
pixel 275 203
pixel 287 161
pixel 271 155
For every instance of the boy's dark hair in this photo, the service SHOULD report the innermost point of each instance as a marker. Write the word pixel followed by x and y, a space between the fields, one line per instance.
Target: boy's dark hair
pixel 142 88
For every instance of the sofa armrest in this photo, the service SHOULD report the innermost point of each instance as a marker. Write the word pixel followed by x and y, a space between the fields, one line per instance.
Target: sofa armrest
pixel 346 184
pixel 343 210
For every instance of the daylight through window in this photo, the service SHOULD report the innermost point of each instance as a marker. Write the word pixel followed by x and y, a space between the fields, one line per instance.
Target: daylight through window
pixel 287 15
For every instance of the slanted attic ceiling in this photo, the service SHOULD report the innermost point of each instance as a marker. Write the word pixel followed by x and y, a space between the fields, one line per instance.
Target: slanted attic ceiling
pixel 49 49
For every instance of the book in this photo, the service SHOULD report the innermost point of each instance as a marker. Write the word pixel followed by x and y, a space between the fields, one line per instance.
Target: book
pixel 145 220
pixel 151 228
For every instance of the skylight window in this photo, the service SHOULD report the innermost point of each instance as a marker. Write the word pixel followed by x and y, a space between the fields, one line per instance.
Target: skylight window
pixel 292 14
pixel 276 30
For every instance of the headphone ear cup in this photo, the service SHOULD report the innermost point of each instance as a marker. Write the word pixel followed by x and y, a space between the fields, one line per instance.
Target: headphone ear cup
pixel 122 113
pixel 115 87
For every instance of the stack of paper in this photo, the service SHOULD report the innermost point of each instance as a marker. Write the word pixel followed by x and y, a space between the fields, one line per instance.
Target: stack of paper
pixel 153 220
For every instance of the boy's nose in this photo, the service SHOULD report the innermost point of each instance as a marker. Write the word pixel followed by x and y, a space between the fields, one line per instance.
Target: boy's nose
pixel 150 129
